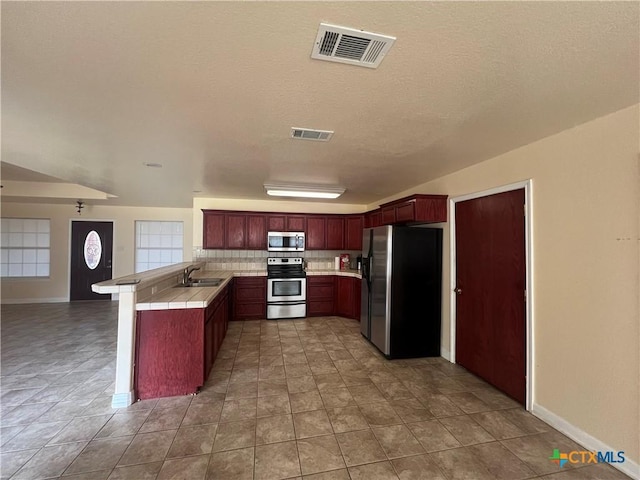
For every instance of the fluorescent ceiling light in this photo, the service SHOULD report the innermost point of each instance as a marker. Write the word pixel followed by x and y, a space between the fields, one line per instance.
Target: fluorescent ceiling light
pixel 305 191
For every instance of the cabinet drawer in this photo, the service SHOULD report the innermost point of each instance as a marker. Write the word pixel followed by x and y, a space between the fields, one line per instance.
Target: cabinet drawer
pixel 406 212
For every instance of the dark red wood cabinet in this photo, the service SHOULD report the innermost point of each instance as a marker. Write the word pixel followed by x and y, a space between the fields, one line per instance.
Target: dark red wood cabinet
pixel 353 227
pixel 236 226
pixel 276 223
pixel 316 236
pixel 250 298
pixel 320 295
pixel 335 233
pixel 415 209
pixel 348 297
pixel 213 230
pixel 176 349
pixel 373 219
pixel 256 232
pixel 296 223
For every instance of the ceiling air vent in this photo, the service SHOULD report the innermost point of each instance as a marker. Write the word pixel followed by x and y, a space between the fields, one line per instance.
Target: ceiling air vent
pixel 348 45
pixel 309 134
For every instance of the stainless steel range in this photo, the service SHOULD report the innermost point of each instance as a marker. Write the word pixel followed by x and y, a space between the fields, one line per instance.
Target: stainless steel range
pixel 286 288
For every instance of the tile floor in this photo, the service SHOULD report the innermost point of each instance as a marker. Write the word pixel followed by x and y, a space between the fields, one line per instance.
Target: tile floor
pixel 286 399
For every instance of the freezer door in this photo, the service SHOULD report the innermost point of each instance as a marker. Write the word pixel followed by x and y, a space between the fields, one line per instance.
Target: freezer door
pixel 365 297
pixel 381 288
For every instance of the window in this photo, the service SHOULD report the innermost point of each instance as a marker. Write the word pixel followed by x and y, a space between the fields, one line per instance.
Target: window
pixel 158 244
pixel 25 247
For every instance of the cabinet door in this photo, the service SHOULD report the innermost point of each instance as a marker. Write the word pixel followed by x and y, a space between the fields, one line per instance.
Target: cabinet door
pixel 213 230
pixel 320 295
pixel 236 231
pixel 209 346
pixel 388 216
pixel 405 212
pixel 256 232
pixel 316 233
pixel 276 223
pixel 295 223
pixel 345 300
pixel 353 232
pixel 335 233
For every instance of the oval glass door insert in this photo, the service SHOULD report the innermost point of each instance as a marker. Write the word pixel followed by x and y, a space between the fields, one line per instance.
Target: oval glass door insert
pixel 92 249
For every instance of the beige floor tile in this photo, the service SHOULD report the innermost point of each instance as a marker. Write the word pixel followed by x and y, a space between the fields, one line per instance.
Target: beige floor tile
pixel 147 471
pixel 11 462
pixel 35 435
pixel 319 454
pixel 278 428
pixel 433 436
pixel 397 441
pixel 373 471
pixel 360 447
pixel 94 475
pixel 148 447
pixel 277 386
pixel 380 414
pixel 468 402
pixel 347 419
pixel 342 474
pixel 100 454
pixel 417 467
pixel 232 465
pixel 337 397
pixel 364 394
pixel 273 405
pixel 241 409
pixel 312 424
pixel 306 401
pixel 25 414
pixel 203 413
pixel 439 405
pixel 466 430
pixel 80 428
pixel 297 370
pixel 163 419
pixel 246 374
pixel 234 435
pixel 242 390
pixel 187 468
pixel 500 462
pixel 277 461
pixel 123 424
pixel 49 461
pixel 195 440
pixel 461 464
pixel 271 372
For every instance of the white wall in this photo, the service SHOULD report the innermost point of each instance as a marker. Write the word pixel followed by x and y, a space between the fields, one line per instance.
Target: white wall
pixel 56 287
pixel 586 216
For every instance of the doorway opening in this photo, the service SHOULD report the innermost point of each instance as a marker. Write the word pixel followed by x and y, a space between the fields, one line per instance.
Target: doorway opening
pixel 91 258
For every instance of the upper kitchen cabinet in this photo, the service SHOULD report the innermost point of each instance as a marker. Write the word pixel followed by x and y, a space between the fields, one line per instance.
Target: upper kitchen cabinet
pixel 236 227
pixel 373 218
pixel 256 232
pixel 335 233
pixel 285 223
pixel 316 235
pixel 415 209
pixel 213 230
pixel 353 226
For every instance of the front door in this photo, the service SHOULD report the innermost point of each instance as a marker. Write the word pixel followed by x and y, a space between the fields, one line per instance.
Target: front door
pixel 91 250
pixel 490 287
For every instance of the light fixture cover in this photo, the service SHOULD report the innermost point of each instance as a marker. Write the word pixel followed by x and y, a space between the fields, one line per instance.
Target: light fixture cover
pixel 303 191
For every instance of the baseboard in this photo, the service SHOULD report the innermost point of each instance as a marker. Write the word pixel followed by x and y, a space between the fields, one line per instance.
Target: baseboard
pixel 444 353
pixel 121 400
pixel 19 301
pixel 589 442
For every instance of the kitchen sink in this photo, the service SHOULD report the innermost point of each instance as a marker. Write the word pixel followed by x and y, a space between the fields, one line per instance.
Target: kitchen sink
pixel 202 282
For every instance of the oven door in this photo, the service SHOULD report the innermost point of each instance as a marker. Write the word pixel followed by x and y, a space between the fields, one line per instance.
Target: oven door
pixel 286 289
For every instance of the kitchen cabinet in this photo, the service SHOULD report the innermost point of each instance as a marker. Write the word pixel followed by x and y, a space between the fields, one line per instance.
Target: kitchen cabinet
pixel 316 236
pixel 373 218
pixel 276 223
pixel 415 209
pixel 213 230
pixel 296 223
pixel 348 297
pixel 320 295
pixel 250 298
pixel 176 349
pixel 335 233
pixel 236 231
pixel 256 232
pixel 353 228
pixel 285 223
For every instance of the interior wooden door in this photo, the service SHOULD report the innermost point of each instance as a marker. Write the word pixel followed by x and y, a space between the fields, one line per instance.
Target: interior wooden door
pixel 490 286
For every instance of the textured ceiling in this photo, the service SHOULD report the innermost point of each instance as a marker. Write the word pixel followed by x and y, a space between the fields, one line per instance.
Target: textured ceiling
pixel 93 90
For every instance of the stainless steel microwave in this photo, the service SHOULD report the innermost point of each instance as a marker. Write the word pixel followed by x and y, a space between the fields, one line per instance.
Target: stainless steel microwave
pixel 285 241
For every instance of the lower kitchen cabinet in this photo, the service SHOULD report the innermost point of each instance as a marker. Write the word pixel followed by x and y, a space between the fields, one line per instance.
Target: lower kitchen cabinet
pixel 320 295
pixel 348 297
pixel 175 349
pixel 250 298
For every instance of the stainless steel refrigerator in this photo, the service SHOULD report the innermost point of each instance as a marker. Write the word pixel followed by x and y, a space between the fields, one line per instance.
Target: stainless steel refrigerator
pixel 402 290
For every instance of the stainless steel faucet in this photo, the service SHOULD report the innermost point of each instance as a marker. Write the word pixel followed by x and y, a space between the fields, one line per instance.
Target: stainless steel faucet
pixel 186 275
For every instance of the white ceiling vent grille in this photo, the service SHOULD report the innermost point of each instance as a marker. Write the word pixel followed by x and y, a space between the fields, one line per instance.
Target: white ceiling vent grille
pixel 309 134
pixel 348 45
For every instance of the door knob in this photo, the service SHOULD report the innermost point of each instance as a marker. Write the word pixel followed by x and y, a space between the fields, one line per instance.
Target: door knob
pixel 458 291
